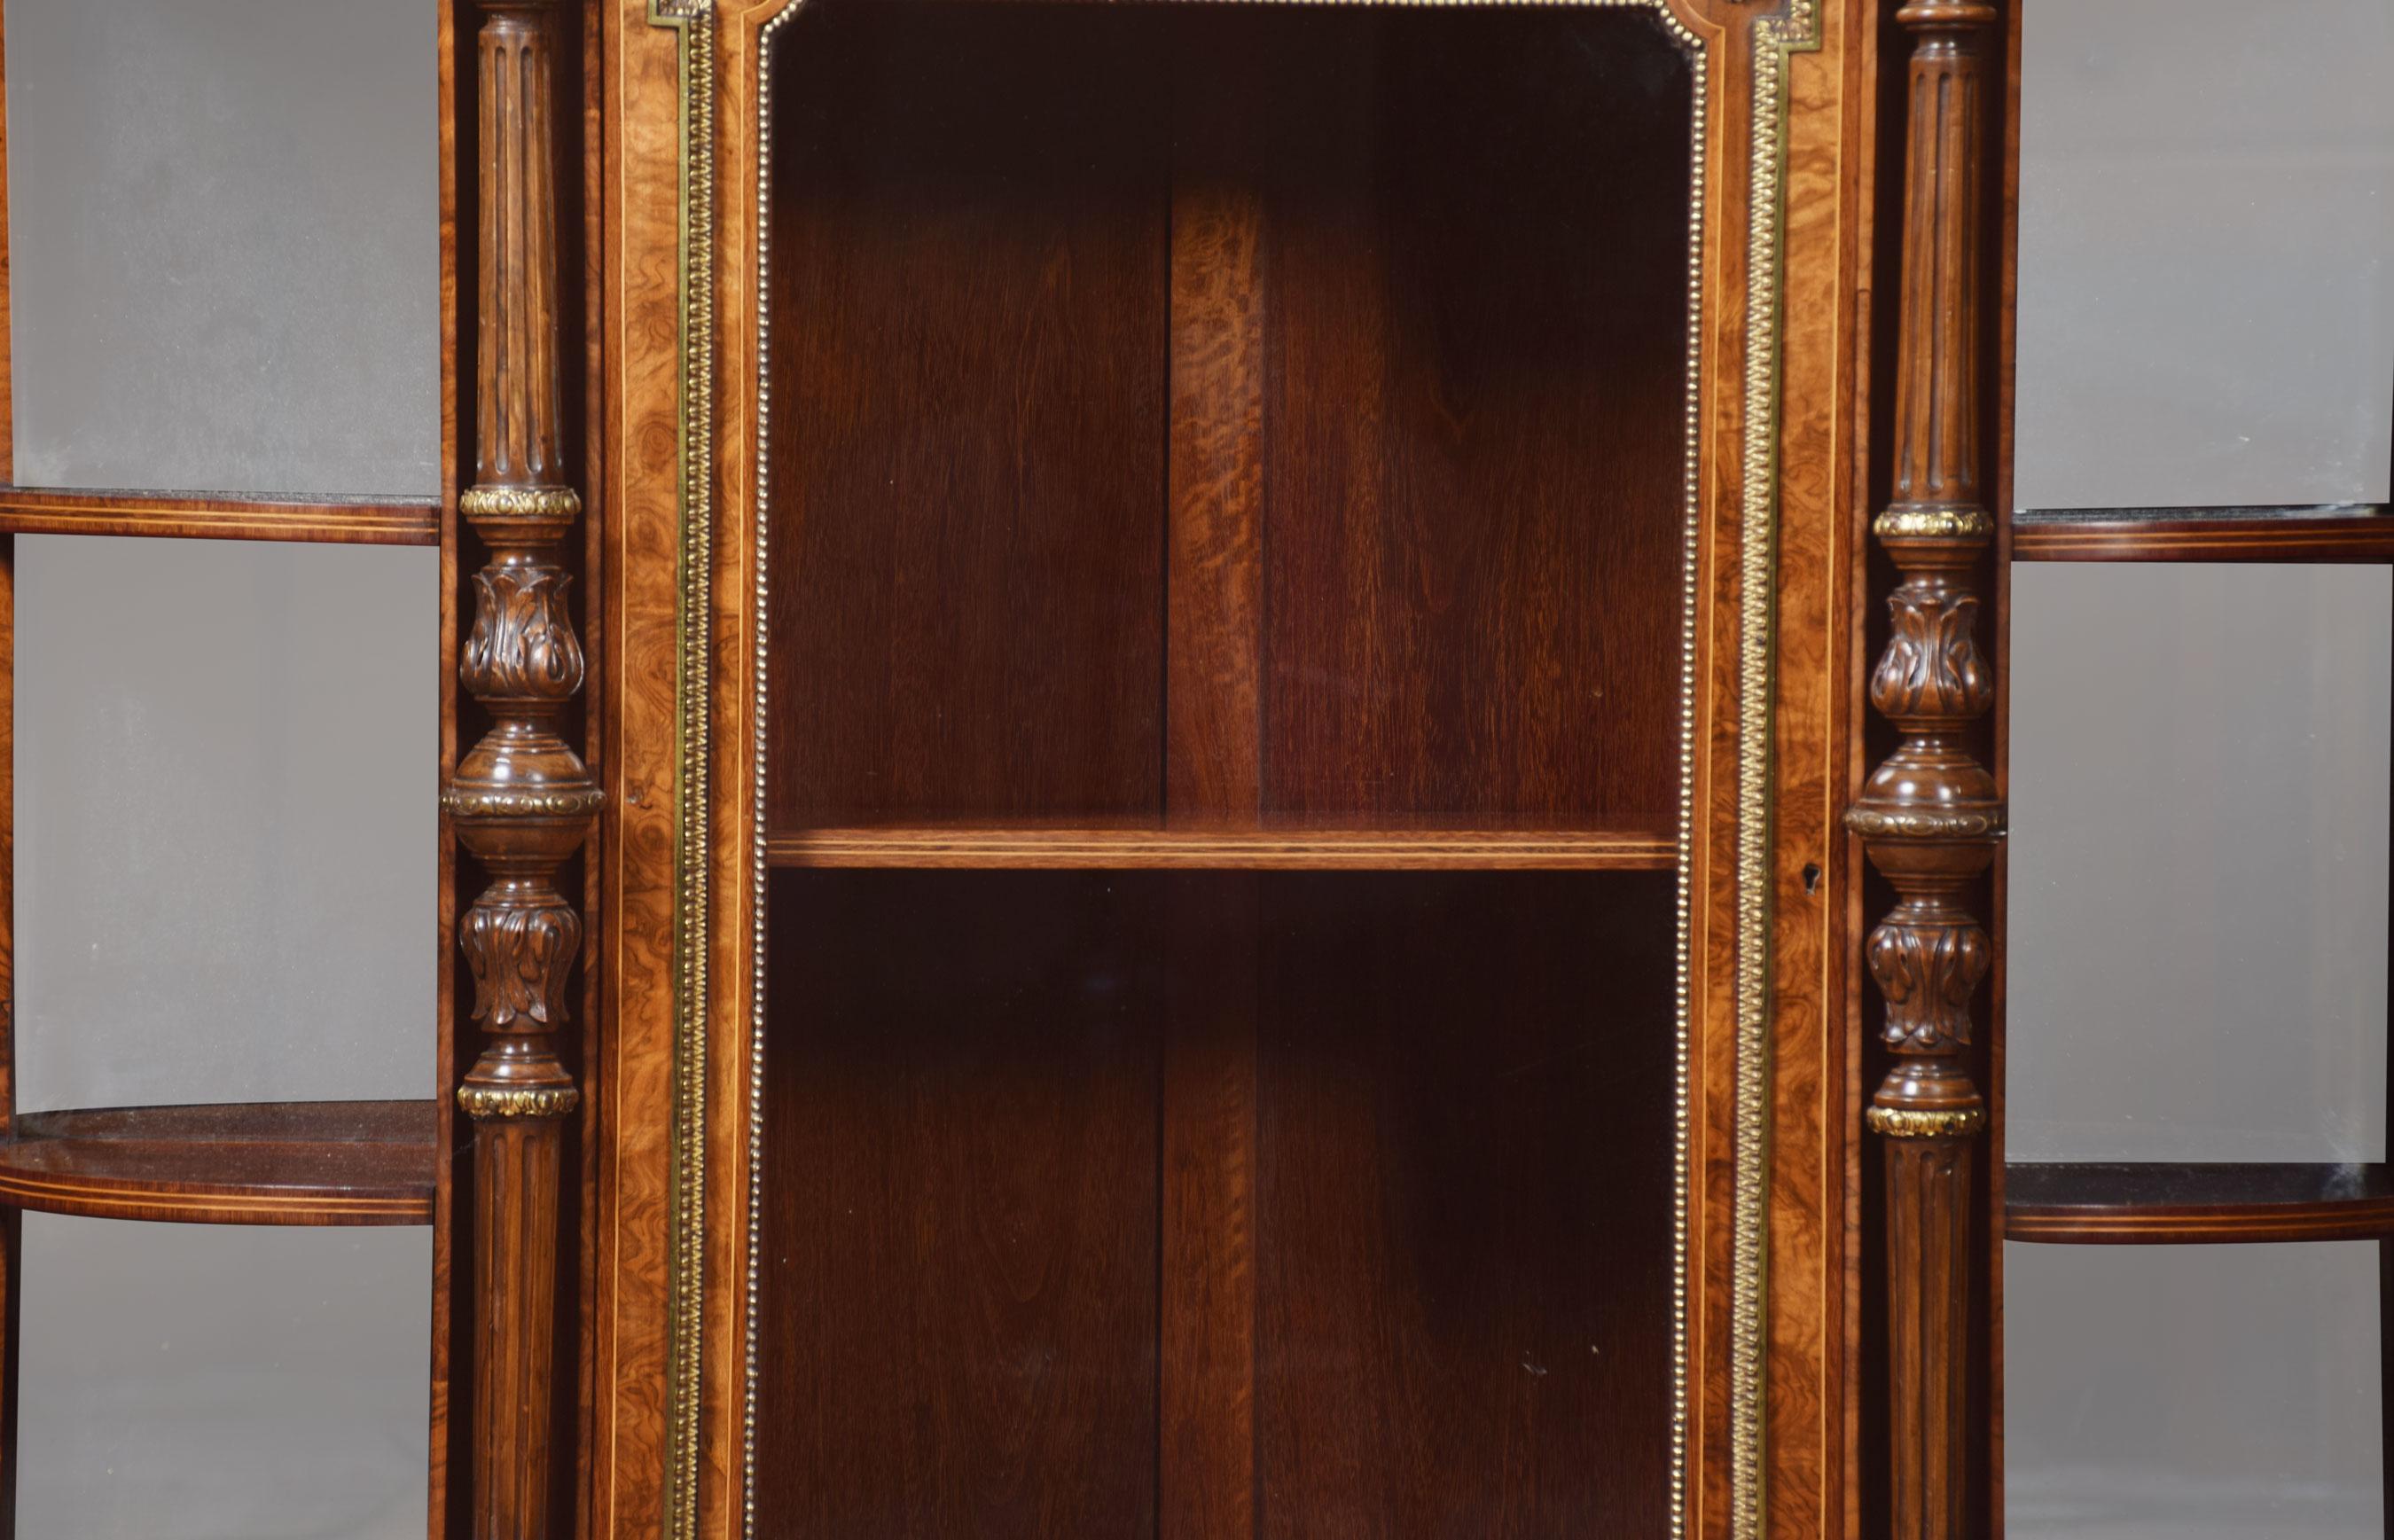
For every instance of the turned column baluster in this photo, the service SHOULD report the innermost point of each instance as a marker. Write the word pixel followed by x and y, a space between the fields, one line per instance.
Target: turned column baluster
pixel 521 800
pixel 1930 817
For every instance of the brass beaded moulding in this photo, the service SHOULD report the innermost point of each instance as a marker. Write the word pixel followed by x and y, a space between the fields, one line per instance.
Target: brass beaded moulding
pixel 1926 1123
pixel 518 1101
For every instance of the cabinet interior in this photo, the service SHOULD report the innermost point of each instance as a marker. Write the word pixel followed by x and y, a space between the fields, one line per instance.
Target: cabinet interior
pixel 1264 420
pixel 1225 417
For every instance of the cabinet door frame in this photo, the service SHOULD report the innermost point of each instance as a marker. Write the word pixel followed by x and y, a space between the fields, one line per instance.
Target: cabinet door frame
pixel 1772 1124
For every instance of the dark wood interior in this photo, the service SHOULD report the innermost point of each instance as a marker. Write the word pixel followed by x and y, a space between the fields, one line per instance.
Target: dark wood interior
pixel 1216 418
pixel 1288 1203
pixel 1238 456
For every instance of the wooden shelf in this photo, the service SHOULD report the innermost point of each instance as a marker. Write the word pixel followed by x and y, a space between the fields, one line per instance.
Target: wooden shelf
pixel 2096 1205
pixel 1223 850
pixel 206 516
pixel 2344 533
pixel 296 1162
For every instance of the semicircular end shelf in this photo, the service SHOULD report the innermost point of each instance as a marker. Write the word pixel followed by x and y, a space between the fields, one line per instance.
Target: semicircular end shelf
pixel 2161 1205
pixel 293 1162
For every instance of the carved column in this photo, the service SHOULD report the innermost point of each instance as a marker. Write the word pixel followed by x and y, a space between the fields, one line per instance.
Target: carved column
pixel 521 800
pixel 1930 817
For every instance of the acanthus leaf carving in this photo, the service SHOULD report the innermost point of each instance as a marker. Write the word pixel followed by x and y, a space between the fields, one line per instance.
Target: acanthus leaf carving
pixel 1927 974
pixel 522 646
pixel 1932 666
pixel 519 952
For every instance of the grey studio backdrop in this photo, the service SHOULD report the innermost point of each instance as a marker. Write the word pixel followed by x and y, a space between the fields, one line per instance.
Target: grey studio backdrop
pixel 222 238
pixel 2199 755
pixel 223 234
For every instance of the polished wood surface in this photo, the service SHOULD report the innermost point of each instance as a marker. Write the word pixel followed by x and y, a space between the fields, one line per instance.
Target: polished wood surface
pixel 521 800
pixel 1046 1151
pixel 1930 816
pixel 211 516
pixel 2256 534
pixel 299 1163
pixel 642 439
pixel 1256 850
pixel 1216 500
pixel 2153 1204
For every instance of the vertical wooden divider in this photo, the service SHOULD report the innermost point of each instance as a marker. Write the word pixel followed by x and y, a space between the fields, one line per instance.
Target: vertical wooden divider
pixel 1213 778
pixel 1931 815
pixel 1206 1335
pixel 1214 520
pixel 521 800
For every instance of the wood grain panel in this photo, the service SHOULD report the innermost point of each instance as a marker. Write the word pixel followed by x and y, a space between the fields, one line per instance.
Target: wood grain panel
pixel 1464 1205
pixel 969 291
pixel 1214 750
pixel 1475 368
pixel 960 1208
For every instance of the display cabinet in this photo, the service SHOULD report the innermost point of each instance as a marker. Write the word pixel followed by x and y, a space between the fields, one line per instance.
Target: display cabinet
pixel 1207 769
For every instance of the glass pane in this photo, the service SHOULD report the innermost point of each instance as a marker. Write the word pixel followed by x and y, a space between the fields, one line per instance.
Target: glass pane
pixel 193 1382
pixel 2192 1393
pixel 223 233
pixel 226 822
pixel 2207 207
pixel 2198 904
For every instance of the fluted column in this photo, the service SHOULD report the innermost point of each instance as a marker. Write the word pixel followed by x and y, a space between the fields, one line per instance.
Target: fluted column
pixel 521 800
pixel 1930 817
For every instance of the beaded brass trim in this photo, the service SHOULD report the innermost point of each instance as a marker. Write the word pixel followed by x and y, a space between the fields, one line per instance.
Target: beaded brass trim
pixel 583 802
pixel 1914 523
pixel 694 21
pixel 520 503
pixel 1924 1123
pixel 485 1102
pixel 1924 823
pixel 1776 40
